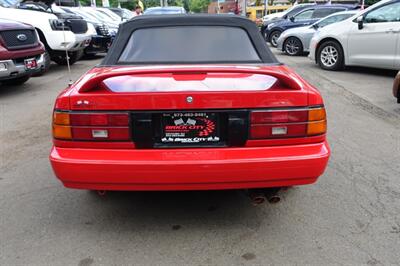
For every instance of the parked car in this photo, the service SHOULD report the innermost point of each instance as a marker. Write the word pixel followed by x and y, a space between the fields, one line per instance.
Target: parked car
pixel 101 37
pixel 305 17
pixel 272 18
pixel 109 13
pixel 124 13
pixel 113 25
pixel 369 39
pixel 59 32
pixel 297 41
pixel 211 108
pixel 164 10
pixel 396 87
pixel 21 52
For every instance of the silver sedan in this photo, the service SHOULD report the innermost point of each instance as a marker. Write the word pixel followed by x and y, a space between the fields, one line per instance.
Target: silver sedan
pixel 297 41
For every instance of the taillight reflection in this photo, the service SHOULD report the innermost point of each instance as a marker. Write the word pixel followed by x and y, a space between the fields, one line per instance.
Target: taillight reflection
pixel 286 116
pixel 91 126
pixel 287 123
pixel 99 119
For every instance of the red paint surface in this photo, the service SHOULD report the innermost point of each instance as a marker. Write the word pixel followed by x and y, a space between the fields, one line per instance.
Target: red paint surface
pixel 120 166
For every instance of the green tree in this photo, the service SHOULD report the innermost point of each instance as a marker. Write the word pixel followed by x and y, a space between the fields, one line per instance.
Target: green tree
pixel 199 6
pixel 371 2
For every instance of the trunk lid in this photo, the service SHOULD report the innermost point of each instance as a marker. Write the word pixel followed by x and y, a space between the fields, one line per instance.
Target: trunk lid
pixel 187 88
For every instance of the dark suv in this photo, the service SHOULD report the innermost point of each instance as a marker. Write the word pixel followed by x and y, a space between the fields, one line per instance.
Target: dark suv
pixel 21 52
pixel 285 15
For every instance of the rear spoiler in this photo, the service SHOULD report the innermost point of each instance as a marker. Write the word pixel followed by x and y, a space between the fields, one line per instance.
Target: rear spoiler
pixel 93 78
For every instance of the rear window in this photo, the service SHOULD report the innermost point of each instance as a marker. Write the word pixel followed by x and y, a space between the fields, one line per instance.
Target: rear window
pixel 178 83
pixel 189 44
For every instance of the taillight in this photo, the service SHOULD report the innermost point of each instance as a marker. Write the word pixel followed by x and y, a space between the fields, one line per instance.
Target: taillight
pixel 91 126
pixel 287 123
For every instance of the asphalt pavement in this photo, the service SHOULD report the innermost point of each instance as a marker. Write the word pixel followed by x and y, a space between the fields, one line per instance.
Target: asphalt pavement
pixel 350 216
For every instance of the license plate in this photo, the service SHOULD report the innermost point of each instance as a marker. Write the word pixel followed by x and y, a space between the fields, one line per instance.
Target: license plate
pixel 190 128
pixel 30 63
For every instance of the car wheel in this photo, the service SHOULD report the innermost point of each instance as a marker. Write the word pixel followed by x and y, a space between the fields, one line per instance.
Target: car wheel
pixel 16 81
pixel 330 56
pixel 398 96
pixel 293 46
pixel 273 38
pixel 264 34
pixel 61 59
pixel 46 64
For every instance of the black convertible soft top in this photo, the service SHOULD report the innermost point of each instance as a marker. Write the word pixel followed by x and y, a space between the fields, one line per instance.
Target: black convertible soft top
pixel 130 49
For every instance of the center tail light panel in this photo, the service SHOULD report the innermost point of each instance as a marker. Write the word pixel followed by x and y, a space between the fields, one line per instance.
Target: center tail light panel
pixel 241 127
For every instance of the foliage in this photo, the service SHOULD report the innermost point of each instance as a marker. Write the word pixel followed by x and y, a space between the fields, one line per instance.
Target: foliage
pixel 198 6
pixel 371 2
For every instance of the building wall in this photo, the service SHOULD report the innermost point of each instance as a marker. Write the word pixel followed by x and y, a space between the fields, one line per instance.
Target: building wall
pixel 225 7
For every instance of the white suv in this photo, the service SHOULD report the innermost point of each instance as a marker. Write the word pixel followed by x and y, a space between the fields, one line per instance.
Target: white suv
pixel 58 32
pixel 371 38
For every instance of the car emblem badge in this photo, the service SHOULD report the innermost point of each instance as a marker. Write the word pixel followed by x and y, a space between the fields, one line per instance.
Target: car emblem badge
pixel 189 99
pixel 82 102
pixel 22 37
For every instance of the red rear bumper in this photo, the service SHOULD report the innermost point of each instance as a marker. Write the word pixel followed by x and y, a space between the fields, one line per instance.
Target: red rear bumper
pixel 190 169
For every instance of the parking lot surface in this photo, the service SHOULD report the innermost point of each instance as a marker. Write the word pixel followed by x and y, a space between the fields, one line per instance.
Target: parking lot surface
pixel 350 216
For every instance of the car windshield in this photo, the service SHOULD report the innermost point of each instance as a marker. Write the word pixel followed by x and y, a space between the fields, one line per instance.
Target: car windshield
pixel 34 6
pixel 127 13
pixel 99 15
pixel 83 14
pixel 296 8
pixel 189 44
pixel 57 9
pixel 291 8
pixel 6 3
pixel 111 15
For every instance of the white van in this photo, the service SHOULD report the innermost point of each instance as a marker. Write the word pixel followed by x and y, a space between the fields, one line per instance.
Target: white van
pixel 370 38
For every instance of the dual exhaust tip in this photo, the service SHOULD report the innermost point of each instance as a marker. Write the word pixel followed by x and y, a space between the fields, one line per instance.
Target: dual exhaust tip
pixel 257 196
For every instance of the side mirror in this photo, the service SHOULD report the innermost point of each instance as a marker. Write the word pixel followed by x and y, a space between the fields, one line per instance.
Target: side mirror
pixel 360 21
pixel 284 17
pixel 291 19
pixel 315 26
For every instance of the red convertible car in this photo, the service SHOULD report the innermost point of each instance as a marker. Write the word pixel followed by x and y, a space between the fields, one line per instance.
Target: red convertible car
pixel 189 102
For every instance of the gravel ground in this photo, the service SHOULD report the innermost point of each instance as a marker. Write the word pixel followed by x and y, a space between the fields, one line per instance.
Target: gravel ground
pixel 350 216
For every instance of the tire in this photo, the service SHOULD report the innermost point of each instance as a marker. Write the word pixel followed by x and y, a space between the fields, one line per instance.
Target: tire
pixel 16 81
pixel 273 37
pixel 61 58
pixel 263 33
pixel 47 62
pixel 330 56
pixel 398 96
pixel 293 46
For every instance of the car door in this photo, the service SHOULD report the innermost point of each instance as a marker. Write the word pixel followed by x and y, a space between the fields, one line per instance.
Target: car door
pixel 397 62
pixel 376 43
